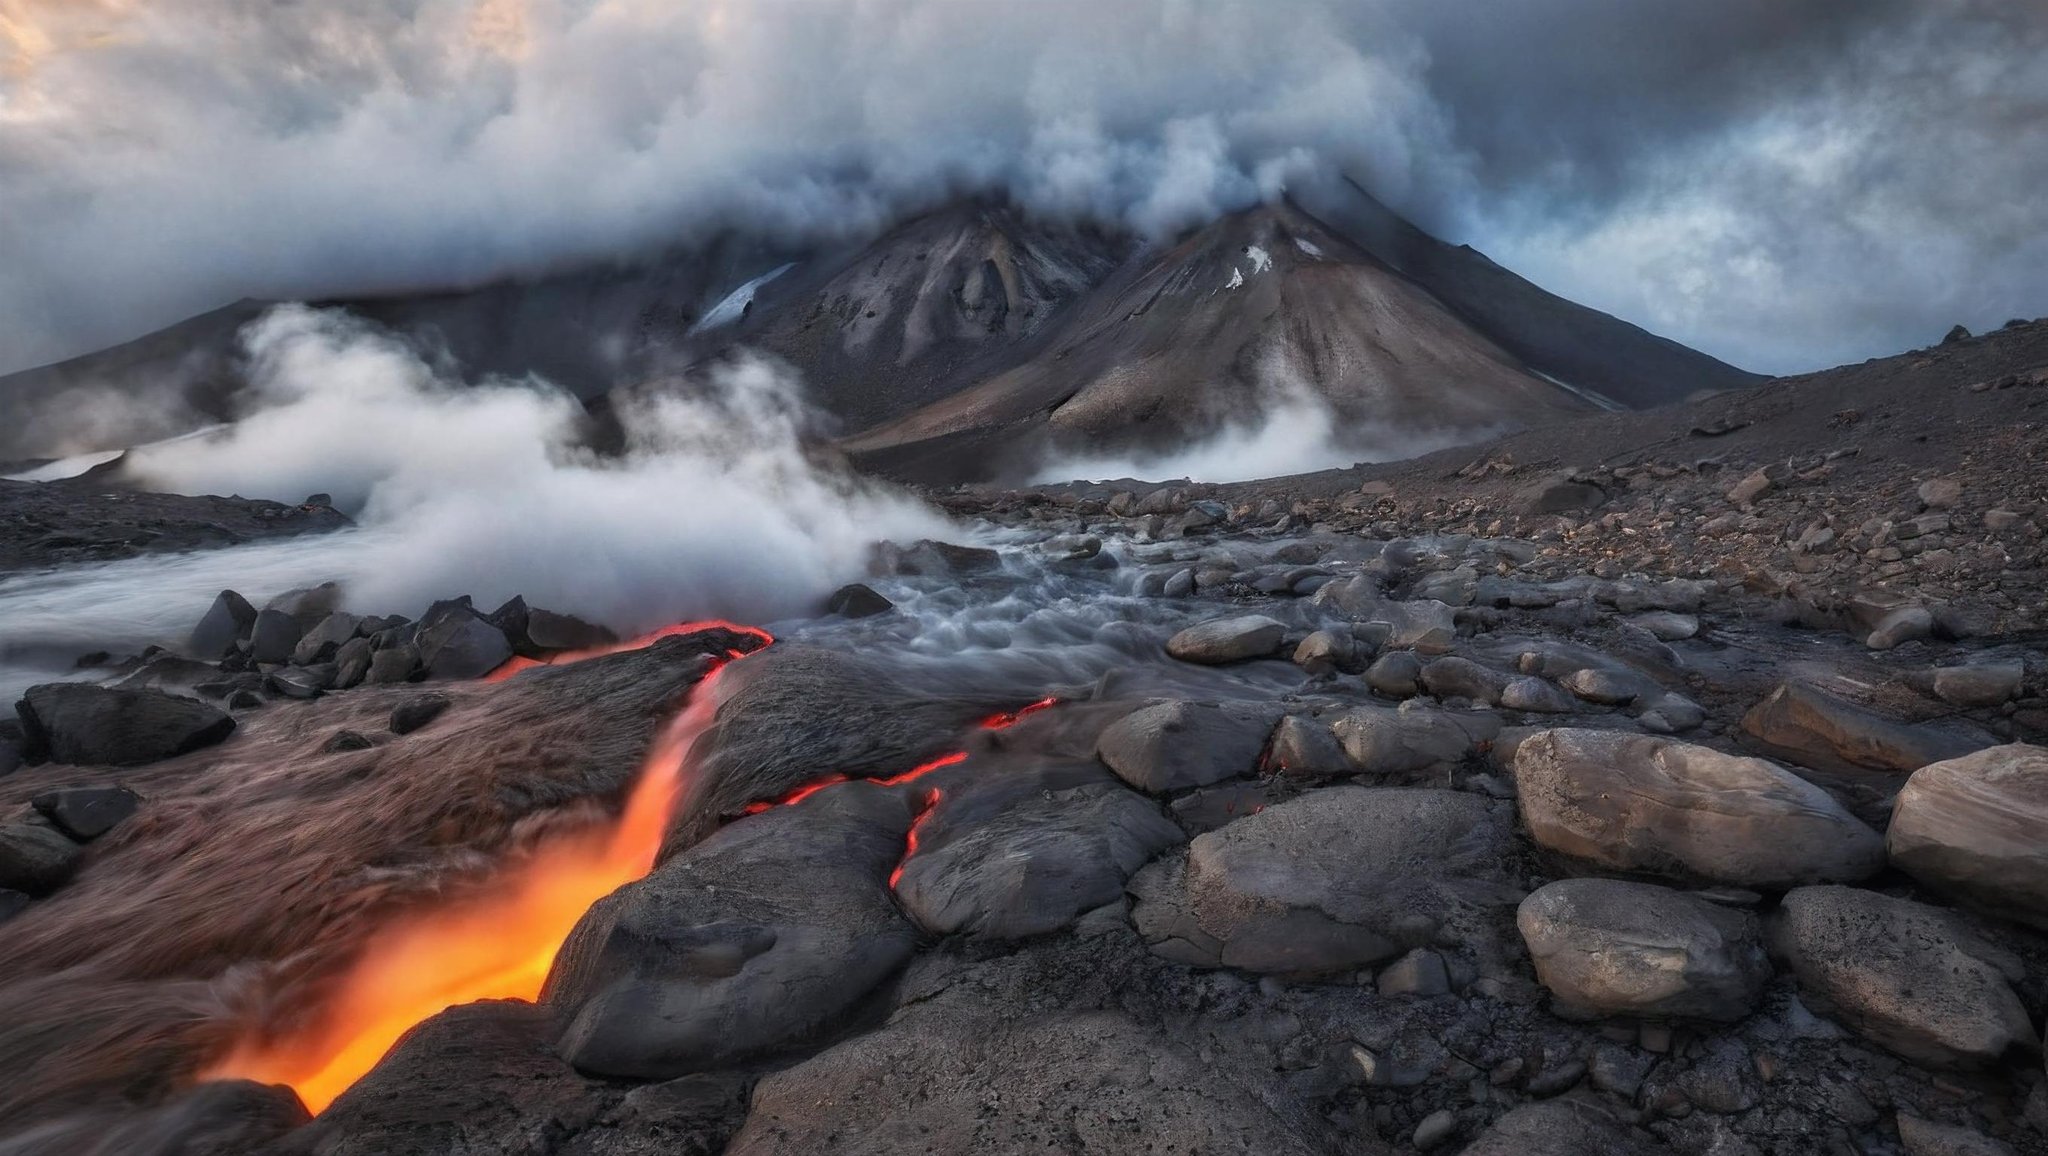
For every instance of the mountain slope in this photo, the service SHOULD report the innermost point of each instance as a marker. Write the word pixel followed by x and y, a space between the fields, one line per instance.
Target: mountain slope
pixel 1263 309
pixel 1563 339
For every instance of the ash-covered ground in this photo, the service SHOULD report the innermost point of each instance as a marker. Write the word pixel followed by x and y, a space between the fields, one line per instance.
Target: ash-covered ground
pixel 1667 781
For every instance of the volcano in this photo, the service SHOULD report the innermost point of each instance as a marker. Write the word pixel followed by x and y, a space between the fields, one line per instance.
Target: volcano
pixel 971 342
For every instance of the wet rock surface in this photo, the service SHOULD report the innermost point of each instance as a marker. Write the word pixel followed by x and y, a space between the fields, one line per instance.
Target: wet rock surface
pixel 99 726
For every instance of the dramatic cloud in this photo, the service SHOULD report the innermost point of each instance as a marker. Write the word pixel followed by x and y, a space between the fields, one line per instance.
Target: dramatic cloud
pixel 1782 182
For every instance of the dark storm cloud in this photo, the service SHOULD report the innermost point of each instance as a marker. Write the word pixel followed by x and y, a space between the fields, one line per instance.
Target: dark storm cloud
pixel 1782 182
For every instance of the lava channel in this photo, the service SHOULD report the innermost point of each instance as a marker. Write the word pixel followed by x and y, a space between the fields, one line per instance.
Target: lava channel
pixel 1002 720
pixel 499 943
pixel 517 664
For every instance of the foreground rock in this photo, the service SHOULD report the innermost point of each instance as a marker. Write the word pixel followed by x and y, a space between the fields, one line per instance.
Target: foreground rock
pixel 1034 865
pixel 1977 828
pixel 762 935
pixel 1328 882
pixel 1228 640
pixel 35 860
pixel 1606 947
pixel 1172 746
pixel 86 813
pixel 1386 740
pixel 1912 978
pixel 1637 803
pixel 1562 1128
pixel 1815 729
pixel 101 726
pixel 957 1075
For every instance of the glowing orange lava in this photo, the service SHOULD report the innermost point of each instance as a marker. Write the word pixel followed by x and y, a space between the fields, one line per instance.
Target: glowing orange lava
pixel 496 944
pixel 1010 718
pixel 515 665
pixel 910 837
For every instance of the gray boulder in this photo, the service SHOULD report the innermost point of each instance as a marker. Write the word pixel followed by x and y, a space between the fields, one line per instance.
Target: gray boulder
pixel 1536 696
pixel 1326 652
pixel 101 726
pixel 1979 685
pixel 1396 674
pixel 1305 748
pixel 1920 1137
pixel 320 643
pixel 1331 881
pixel 397 663
pixel 1638 803
pixel 858 600
pixel 35 860
pixel 1454 677
pixel 1425 626
pixel 1909 977
pixel 1398 740
pixel 86 813
pixel 226 623
pixel 1976 828
pixel 461 645
pixel 274 636
pixel 1171 746
pixel 1033 867
pixel 1227 640
pixel 767 933
pixel 1607 947
pixel 1815 729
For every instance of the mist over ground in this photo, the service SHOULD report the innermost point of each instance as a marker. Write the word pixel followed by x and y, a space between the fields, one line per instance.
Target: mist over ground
pixel 1777 182
pixel 714 510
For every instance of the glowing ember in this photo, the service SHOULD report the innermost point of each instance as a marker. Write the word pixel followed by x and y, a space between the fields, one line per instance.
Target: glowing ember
pixel 515 665
pixel 497 944
pixel 910 839
pixel 1008 719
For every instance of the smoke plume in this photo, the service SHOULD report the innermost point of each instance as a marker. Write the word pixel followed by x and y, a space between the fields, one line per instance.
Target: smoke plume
pixel 714 510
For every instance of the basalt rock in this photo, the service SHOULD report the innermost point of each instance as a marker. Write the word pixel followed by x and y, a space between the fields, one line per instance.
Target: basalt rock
pixel 1172 746
pixel 462 645
pixel 1331 881
pixel 1636 803
pixel 86 813
pixel 1563 1128
pixel 417 712
pixel 1909 977
pixel 1815 729
pixel 274 636
pixel 1019 859
pixel 35 860
pixel 1607 947
pixel 1228 640
pixel 1976 828
pixel 99 726
pixel 857 601
pixel 227 623
pixel 761 936
pixel 1389 740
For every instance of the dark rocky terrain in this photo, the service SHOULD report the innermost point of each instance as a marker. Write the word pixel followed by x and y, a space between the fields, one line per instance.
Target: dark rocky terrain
pixel 1639 781
pixel 1661 781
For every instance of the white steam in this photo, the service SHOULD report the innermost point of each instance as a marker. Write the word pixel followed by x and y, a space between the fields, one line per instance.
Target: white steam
pixel 1295 434
pixel 713 511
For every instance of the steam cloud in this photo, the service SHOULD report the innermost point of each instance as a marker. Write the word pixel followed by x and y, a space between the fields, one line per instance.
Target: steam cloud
pixel 713 511
pixel 1785 183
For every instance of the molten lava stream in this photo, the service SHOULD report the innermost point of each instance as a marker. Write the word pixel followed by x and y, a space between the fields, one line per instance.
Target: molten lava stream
pixel 515 665
pixel 498 944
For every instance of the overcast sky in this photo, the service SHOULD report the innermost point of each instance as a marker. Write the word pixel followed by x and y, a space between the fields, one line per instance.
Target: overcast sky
pixel 1784 183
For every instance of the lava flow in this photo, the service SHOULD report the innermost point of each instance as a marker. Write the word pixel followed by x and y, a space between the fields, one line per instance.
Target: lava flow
pixel 515 665
pixel 498 944
pixel 1002 720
